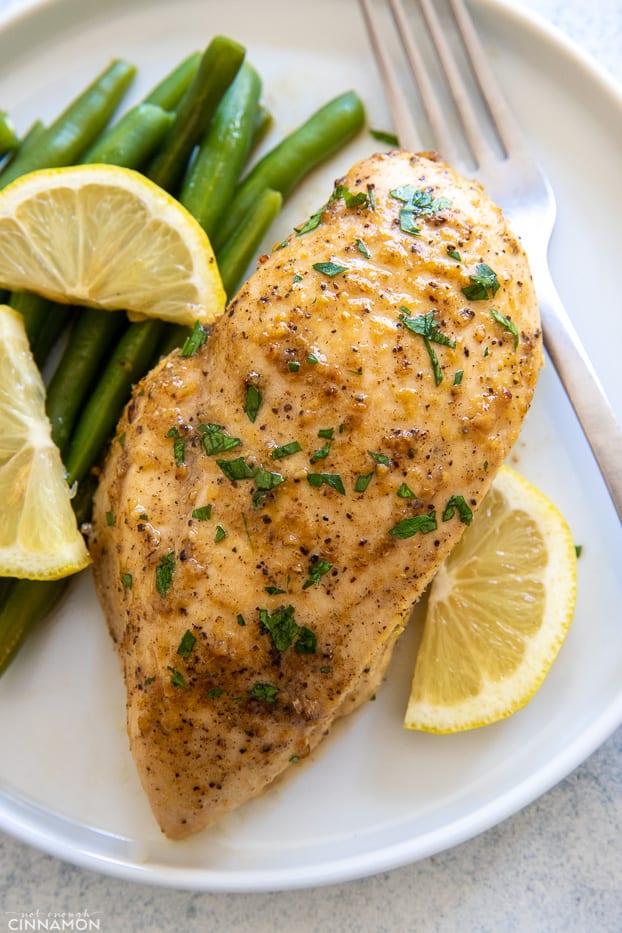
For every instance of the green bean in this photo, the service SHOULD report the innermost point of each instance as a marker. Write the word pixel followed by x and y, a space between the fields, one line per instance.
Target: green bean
pixel 168 93
pixel 27 603
pixel 219 65
pixel 71 134
pixel 263 122
pixel 284 166
pixel 92 335
pixel 211 181
pixel 129 362
pixel 43 320
pixel 237 253
pixel 8 137
pixel 134 137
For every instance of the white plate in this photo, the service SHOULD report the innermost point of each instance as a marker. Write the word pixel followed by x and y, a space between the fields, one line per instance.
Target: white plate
pixel 373 796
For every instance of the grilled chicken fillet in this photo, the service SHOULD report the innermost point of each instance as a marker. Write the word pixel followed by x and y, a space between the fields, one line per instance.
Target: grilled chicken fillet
pixel 276 503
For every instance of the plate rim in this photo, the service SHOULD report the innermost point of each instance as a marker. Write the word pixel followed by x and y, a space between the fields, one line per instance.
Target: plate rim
pixel 393 855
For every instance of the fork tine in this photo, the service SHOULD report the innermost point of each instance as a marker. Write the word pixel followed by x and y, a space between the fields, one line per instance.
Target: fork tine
pixel 503 119
pixel 398 104
pixel 429 99
pixel 468 115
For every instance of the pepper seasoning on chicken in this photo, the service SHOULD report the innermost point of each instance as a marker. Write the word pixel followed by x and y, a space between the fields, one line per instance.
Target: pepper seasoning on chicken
pixel 281 498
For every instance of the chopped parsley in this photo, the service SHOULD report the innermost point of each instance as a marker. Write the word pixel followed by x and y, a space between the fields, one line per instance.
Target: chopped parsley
pixel 241 619
pixel 312 359
pixel 317 569
pixel 482 282
pixel 454 254
pixel 405 492
pixel 216 440
pixel 505 322
pixel 293 366
pixel 417 523
pixel 363 481
pixel 236 469
pixel 274 590
pixel 379 458
pixel 127 580
pixel 186 644
pixel 424 325
pixel 266 692
pixel 252 401
pixel 458 503
pixel 194 341
pixel 179 445
pixel 110 519
pixel 297 278
pixel 306 642
pixel 281 625
pixel 578 549
pixel 220 535
pixel 286 450
pixel 177 679
pixel 203 513
pixel 362 248
pixel 331 269
pixel 164 573
pixel 327 479
pixel 351 198
pixel 416 203
pixel 321 453
pixel 326 432
pixel 458 377
pixel 265 481
pixel 214 693
pixel 383 137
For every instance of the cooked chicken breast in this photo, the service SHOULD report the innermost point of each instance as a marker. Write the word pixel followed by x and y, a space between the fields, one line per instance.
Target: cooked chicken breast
pixel 275 503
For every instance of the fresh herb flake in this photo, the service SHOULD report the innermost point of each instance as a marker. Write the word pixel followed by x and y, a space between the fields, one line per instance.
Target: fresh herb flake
pixel 321 453
pixel 416 523
pixel 424 325
pixel 482 282
pixel 216 440
pixel 286 450
pixel 317 569
pixel 405 492
pixel 458 503
pixel 293 366
pixel 203 513
pixel 578 549
pixel 236 469
pixel 213 693
pixel 186 644
pixel 312 359
pixel 274 590
pixel 220 535
pixel 363 481
pixel 306 642
pixel 194 341
pixel 454 254
pixel 127 580
pixel 362 248
pixel 179 445
pixel 110 519
pixel 458 377
pixel 379 458
pixel 252 401
pixel 177 678
pixel 281 625
pixel 384 137
pixel 265 481
pixel 331 269
pixel 507 323
pixel 327 433
pixel 164 573
pixel 241 620
pixel 327 479
pixel 266 692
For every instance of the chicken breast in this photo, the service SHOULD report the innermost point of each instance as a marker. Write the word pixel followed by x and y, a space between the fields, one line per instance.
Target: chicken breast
pixel 276 502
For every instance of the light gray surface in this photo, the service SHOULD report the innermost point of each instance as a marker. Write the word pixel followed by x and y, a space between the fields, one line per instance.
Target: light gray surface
pixel 555 866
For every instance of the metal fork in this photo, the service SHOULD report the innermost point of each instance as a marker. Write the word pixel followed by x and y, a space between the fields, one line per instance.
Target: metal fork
pixel 511 177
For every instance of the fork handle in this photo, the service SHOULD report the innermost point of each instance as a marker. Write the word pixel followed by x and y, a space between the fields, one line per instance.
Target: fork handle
pixel 582 385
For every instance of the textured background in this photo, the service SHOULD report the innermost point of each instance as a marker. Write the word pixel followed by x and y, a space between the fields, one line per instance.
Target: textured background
pixel 555 866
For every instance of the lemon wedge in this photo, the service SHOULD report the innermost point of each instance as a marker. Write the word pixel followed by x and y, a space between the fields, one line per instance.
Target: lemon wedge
pixel 107 237
pixel 498 611
pixel 39 535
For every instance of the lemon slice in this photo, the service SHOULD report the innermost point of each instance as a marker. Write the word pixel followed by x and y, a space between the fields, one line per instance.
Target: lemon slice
pixel 107 237
pixel 39 535
pixel 498 612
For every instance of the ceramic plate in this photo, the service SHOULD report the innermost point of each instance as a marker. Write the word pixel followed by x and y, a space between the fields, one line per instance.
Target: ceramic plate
pixel 373 796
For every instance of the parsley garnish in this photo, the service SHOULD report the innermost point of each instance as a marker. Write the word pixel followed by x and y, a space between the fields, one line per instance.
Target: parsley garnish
pixel 110 519
pixel 327 479
pixel 372 197
pixel 417 203
pixel 458 377
pixel 405 492
pixel 306 641
pixel 179 445
pixel 236 469
pixel 383 137
pixel 330 269
pixel 286 450
pixel 578 549
pixel 194 341
pixel 459 503
pixel 505 322
pixel 424 325
pixel 281 625
pixel 274 590
pixel 313 222
pixel 216 440
pixel 265 481
pixel 214 693
pixel 351 198
pixel 379 458
pixel 266 692
pixel 177 679
pixel 321 453
pixel 203 513
pixel 241 619
pixel 317 569
pixel 294 366
pixel 127 580
pixel 312 358
pixel 410 526
pixel 326 432
pixel 164 573
pixel 363 481
pixel 454 254
pixel 220 535
pixel 186 644
pixel 252 401
pixel 362 248
pixel 484 281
